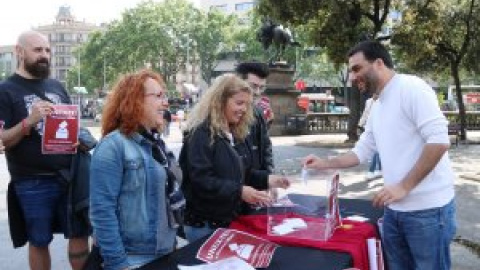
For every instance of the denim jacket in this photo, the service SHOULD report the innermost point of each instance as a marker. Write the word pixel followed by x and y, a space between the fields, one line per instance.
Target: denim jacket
pixel 127 200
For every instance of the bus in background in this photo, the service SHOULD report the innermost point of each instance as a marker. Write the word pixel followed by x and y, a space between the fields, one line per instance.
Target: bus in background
pixel 320 103
pixel 470 94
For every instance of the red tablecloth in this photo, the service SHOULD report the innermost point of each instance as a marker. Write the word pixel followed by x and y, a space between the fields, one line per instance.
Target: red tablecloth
pixel 351 238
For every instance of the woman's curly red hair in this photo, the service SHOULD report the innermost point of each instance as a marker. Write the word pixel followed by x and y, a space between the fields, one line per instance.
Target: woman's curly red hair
pixel 124 108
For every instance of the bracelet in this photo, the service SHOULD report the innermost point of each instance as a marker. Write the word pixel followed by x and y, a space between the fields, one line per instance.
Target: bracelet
pixel 25 129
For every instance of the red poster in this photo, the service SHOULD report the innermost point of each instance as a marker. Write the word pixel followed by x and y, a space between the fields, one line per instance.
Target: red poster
pixel 60 130
pixel 225 243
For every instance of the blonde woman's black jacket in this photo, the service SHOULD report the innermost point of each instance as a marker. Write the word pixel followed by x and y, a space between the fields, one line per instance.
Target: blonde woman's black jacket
pixel 213 176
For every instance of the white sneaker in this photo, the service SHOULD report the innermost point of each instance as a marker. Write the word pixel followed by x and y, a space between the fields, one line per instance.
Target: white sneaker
pixel 377 174
pixel 370 176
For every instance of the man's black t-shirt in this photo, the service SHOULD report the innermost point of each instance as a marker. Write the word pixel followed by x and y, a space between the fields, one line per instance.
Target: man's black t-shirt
pixel 17 94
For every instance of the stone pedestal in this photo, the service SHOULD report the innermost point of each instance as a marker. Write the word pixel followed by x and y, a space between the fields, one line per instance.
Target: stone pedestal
pixel 283 97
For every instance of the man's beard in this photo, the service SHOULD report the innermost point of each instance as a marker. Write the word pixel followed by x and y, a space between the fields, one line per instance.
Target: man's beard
pixel 39 69
pixel 371 83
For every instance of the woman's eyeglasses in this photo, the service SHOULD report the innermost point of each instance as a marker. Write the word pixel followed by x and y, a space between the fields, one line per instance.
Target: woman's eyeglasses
pixel 161 96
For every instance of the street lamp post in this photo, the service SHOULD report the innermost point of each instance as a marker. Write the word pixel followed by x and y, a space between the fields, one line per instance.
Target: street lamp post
pixel 78 70
pixel 188 64
pixel 104 74
pixel 188 57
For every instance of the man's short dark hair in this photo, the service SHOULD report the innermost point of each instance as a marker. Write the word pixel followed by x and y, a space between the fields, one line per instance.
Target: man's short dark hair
pixel 259 69
pixel 372 50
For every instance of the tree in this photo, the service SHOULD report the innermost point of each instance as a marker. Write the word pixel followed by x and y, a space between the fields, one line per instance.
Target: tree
pixel 164 36
pixel 91 64
pixel 210 36
pixel 244 41
pixel 334 26
pixel 441 35
pixel 316 67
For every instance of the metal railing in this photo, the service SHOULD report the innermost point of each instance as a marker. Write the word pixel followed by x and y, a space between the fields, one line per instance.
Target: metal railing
pixel 317 123
pixel 472 119
pixel 322 123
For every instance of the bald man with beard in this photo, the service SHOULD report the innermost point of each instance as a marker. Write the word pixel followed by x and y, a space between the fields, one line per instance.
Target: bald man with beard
pixel 37 194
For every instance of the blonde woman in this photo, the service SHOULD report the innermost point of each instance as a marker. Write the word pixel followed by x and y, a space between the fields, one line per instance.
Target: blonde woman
pixel 216 161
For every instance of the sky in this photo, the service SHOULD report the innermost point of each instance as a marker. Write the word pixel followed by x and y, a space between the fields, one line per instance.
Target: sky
pixel 21 15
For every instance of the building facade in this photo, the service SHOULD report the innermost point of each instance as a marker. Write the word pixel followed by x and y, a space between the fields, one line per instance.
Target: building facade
pixel 65 34
pixel 238 7
pixel 8 61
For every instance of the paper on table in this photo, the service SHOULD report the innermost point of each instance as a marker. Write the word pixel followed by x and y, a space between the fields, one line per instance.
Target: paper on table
pixel 304 175
pixel 296 222
pixel 289 225
pixel 356 218
pixel 232 263
pixel 282 229
pixel 372 253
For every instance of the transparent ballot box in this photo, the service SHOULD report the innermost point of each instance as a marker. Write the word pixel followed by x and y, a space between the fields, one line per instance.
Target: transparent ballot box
pixel 308 209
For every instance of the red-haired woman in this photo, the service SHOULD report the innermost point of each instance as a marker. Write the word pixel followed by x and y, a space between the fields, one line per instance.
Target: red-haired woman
pixel 130 209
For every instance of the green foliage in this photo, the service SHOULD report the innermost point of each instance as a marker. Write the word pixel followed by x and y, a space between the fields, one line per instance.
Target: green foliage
pixel 317 68
pixel 91 65
pixel 244 41
pixel 161 35
pixel 211 37
pixel 435 34
pixel 440 36
pixel 335 26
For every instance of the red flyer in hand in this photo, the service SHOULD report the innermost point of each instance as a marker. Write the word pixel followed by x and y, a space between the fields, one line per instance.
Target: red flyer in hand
pixel 225 243
pixel 60 130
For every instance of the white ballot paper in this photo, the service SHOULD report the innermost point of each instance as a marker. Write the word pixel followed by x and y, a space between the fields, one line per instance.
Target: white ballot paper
pixel 289 225
pixel 231 263
pixel 375 255
pixel 356 218
pixel 372 253
pixel 304 175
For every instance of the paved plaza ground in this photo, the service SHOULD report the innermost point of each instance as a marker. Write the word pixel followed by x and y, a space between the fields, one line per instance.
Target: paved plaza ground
pixel 287 152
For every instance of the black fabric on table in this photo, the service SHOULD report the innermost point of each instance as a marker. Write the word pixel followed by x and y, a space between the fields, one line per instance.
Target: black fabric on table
pixel 284 258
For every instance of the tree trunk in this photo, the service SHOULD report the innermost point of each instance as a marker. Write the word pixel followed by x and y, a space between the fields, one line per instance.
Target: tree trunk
pixel 461 106
pixel 355 106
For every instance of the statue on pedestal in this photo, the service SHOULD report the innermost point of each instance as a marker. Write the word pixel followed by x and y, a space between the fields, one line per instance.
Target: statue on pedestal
pixel 275 38
pixel 271 33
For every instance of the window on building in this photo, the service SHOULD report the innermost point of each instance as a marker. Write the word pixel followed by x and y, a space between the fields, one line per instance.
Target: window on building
pixel 223 8
pixel 6 56
pixel 62 74
pixel 68 37
pixel 61 61
pixel 244 6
